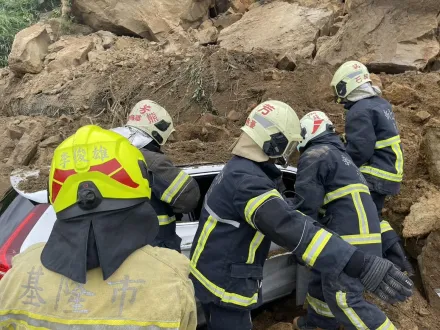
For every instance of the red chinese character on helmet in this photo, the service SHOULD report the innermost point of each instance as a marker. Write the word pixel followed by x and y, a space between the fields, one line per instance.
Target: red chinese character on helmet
pixel 137 118
pixel 356 66
pixel 152 118
pixel 146 108
pixel 266 109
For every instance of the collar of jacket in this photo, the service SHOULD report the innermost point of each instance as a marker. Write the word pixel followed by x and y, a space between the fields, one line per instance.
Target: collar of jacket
pixel 349 104
pixel 102 239
pixel 153 146
pixel 270 170
pixel 330 138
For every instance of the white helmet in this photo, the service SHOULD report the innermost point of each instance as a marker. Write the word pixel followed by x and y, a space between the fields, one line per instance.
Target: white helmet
pixel 314 124
pixel 347 78
pixel 275 128
pixel 151 118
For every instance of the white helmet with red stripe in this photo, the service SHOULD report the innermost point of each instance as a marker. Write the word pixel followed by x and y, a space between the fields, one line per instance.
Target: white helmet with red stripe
pixel 314 124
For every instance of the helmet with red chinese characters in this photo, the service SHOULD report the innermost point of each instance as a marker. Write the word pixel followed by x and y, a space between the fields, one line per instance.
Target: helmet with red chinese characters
pixel 275 128
pixel 96 170
pixel 314 124
pixel 347 78
pixel 151 118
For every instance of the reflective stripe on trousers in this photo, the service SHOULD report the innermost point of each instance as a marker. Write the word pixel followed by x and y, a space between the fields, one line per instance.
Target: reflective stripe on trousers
pixel 394 144
pixel 37 321
pixel 320 307
pixel 174 187
pixel 353 317
pixel 227 297
pixel 341 299
pixel 165 219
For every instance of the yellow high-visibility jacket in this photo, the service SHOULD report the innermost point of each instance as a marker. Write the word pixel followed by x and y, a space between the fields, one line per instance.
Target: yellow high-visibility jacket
pixel 151 290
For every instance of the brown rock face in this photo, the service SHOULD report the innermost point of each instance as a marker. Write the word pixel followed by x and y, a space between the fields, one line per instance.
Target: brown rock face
pixel 278 27
pixel 73 52
pixel 152 19
pixel 429 263
pixel 29 49
pixel 372 35
pixel 423 218
pixel 207 36
pixel 431 145
pixel 27 146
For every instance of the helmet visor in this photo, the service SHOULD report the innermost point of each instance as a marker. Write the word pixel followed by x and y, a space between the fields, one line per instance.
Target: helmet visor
pixel 291 147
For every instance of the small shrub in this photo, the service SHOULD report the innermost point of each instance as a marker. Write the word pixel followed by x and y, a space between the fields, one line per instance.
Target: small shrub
pixel 16 15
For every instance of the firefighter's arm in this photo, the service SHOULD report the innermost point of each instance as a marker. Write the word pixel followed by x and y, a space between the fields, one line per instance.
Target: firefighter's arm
pixel 172 185
pixel 268 213
pixel 360 135
pixel 309 185
pixel 188 319
pixel 263 208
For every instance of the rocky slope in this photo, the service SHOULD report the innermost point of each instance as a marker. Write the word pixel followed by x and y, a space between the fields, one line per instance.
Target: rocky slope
pixel 209 62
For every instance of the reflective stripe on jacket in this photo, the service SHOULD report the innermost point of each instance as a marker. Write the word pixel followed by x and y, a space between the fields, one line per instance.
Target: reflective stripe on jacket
pixel 150 291
pixel 174 192
pixel 327 178
pixel 242 213
pixel 374 144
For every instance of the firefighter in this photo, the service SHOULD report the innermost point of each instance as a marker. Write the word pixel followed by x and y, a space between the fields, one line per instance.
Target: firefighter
pixel 97 270
pixel 173 191
pixel 330 187
pixel 373 142
pixel 243 212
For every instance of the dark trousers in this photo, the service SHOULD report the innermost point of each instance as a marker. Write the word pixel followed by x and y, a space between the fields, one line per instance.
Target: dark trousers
pixel 222 318
pixel 379 200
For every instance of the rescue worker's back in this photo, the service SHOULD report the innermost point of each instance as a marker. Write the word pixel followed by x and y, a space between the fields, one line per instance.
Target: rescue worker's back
pixel 150 290
pixel 98 269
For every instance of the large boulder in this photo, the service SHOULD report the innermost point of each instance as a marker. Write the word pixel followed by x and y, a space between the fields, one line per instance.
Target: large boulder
pixel 423 217
pixel 153 19
pixel 280 27
pixel 69 53
pixel 430 146
pixel 429 264
pixel 389 35
pixel 27 145
pixel 29 49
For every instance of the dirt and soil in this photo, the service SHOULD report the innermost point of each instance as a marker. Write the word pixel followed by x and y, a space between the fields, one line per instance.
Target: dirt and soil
pixel 209 91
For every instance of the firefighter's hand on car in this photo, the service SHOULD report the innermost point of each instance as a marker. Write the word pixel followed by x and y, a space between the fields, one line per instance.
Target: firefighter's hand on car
pixel 382 278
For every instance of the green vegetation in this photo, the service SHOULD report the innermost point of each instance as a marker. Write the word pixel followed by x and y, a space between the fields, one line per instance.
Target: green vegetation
pixel 16 15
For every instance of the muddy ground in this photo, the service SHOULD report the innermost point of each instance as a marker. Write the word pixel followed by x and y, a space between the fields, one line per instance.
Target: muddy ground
pixel 209 93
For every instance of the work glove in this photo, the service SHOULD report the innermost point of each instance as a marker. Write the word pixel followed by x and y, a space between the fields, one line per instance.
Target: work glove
pixel 382 278
pixel 396 254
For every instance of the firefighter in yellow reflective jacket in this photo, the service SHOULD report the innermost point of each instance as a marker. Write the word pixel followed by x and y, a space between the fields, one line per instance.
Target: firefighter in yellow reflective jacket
pixel 330 188
pixel 97 270
pixel 173 191
pixel 373 142
pixel 243 212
